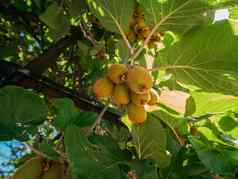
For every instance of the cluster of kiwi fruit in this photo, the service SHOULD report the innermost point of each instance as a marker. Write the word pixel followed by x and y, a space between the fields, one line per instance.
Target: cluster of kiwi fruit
pixel 39 168
pixel 128 86
pixel 139 30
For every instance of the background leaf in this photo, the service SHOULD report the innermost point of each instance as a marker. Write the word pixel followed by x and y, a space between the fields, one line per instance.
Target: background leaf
pixel 113 14
pixel 212 158
pixel 176 15
pixel 204 103
pixel 76 7
pixel 21 111
pixel 56 20
pixel 199 60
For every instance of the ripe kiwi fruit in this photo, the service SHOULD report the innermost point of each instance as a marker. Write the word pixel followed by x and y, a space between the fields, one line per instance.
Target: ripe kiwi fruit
pixel 118 73
pixel 103 88
pixel 136 114
pixel 139 80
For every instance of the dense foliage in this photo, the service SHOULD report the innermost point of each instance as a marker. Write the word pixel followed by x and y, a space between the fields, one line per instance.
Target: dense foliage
pixel 53 52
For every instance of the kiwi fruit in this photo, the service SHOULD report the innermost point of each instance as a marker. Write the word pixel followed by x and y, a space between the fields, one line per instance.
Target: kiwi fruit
pixel 121 95
pixel 136 114
pixel 56 171
pixel 31 169
pixel 139 80
pixel 140 99
pixel 103 88
pixel 118 73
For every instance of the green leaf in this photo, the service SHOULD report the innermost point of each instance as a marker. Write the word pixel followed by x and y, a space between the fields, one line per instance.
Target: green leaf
pixel 212 158
pixel 227 125
pixel 169 39
pixel 88 160
pixel 48 150
pixel 76 7
pixel 210 135
pixel 67 113
pixel 199 60
pixel 56 20
pixel 150 141
pixel 172 120
pixel 205 103
pixel 232 155
pixel 233 13
pixel 113 14
pixel 178 16
pixel 21 111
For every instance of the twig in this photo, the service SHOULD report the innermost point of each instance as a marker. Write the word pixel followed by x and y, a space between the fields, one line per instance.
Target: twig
pixel 154 69
pixel 89 36
pixel 180 141
pixel 140 49
pixel 125 38
pixel 98 120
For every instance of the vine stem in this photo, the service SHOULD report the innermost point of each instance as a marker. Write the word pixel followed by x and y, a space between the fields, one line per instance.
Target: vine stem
pixel 154 69
pixel 98 120
pixel 88 36
pixel 180 141
pixel 140 49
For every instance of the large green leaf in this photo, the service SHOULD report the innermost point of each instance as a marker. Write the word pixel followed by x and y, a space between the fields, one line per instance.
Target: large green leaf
pixel 212 158
pixel 67 113
pixel 205 58
pixel 21 111
pixel 228 125
pixel 180 16
pixel 176 15
pixel 77 7
pixel 113 14
pixel 211 135
pixel 150 141
pixel 201 103
pixel 88 160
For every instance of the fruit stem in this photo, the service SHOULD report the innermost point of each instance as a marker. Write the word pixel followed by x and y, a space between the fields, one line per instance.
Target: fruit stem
pixel 98 120
pixel 154 69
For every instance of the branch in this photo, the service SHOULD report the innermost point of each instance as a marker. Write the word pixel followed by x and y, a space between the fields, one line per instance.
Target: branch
pixel 49 57
pixel 12 74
